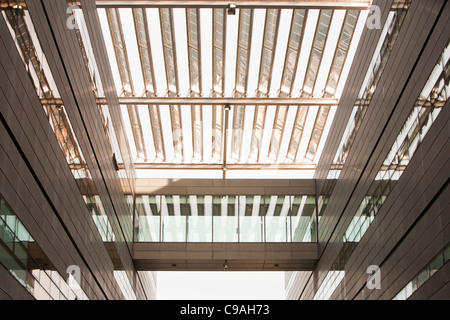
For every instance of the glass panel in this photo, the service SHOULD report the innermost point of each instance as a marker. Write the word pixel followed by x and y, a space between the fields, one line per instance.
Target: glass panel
pixel 20 252
pixel 297 132
pixel 278 228
pixel 317 51
pixel 277 131
pixel 6 235
pixel 199 222
pixel 251 218
pixel 436 264
pixel 302 215
pixel 218 35
pixel 423 276
pixel 173 222
pixel 225 219
pixel 148 210
pixel 22 233
pixel 8 261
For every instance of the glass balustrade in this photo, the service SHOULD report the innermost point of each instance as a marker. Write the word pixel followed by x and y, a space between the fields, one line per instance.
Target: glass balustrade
pixel 225 218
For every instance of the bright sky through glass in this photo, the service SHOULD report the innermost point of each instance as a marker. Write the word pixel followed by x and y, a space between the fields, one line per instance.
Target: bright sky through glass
pixel 226 285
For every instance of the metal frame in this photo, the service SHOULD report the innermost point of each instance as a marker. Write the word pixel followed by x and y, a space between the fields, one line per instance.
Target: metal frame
pixel 221 119
pixel 196 110
pixel 282 4
pixel 212 101
pixel 120 51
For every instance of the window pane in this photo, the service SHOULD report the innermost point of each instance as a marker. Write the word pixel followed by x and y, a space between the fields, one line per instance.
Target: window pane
pixel 423 276
pixel 436 264
pixel 447 254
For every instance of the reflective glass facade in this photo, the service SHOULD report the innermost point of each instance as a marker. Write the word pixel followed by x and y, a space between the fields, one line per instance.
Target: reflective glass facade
pixel 426 273
pixel 25 260
pixel 380 57
pixel 422 116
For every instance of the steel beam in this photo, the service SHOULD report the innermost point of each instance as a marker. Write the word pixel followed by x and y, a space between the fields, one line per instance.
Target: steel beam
pixel 212 101
pixel 282 4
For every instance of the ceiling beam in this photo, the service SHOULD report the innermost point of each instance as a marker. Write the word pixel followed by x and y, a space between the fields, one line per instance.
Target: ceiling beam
pixel 282 4
pixel 211 101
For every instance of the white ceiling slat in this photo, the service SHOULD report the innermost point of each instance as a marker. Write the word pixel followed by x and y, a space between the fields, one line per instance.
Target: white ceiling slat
pixel 241 82
pixel 172 76
pixel 267 134
pixel 316 55
pixel 147 133
pixel 297 132
pixel 283 41
pixel 188 133
pixel 119 43
pixel 247 134
pixel 152 128
pixel 326 130
pixel 309 31
pixel 288 126
pixel 267 43
pixel 132 51
pixel 340 45
pixel 258 31
pixel 291 55
pixel 181 49
pixel 306 135
pixel 208 135
pixel 216 138
pixel 128 131
pixel 195 75
pixel 156 47
pixel 309 82
pixel 143 41
pixel 218 36
pixel 166 130
pixel 277 132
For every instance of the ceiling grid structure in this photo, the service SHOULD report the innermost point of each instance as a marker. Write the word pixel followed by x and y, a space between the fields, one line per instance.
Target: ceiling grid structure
pixel 252 89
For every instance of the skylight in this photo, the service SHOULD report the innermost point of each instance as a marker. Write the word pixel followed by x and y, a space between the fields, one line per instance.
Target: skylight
pixel 229 95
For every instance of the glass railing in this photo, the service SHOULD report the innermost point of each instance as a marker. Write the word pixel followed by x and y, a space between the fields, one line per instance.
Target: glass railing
pixel 225 218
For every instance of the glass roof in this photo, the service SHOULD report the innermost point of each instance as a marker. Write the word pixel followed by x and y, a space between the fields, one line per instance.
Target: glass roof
pixel 218 92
